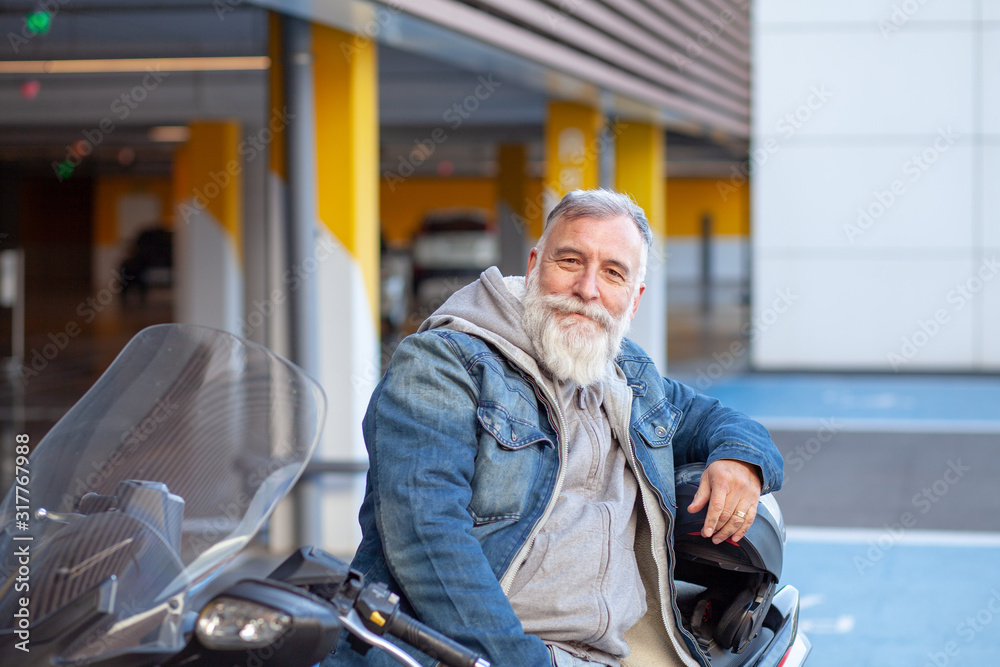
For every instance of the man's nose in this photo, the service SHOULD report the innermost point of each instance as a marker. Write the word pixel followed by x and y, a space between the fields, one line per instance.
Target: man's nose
pixel 586 285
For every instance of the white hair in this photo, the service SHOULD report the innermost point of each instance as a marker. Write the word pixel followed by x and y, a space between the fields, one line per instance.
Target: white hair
pixel 602 204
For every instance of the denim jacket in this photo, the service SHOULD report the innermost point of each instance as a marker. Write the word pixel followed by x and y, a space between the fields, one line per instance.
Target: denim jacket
pixel 465 460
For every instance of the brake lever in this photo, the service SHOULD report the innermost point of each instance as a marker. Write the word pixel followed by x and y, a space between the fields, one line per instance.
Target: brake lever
pixel 352 621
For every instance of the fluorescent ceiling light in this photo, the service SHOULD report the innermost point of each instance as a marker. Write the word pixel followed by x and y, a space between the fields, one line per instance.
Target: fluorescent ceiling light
pixel 234 63
pixel 169 133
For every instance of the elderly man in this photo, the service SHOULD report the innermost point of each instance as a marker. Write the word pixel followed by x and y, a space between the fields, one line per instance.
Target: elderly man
pixel 520 497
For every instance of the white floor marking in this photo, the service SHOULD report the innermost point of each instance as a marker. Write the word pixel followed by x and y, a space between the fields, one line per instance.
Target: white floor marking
pixel 807 601
pixel 905 536
pixel 827 626
pixel 883 425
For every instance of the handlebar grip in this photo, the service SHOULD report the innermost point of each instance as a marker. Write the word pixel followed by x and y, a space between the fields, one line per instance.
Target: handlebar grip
pixel 433 643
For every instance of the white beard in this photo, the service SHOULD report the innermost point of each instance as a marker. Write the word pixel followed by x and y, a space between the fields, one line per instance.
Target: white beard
pixel 572 349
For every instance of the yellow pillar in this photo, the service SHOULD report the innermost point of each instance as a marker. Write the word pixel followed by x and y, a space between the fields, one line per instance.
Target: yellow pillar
pixel 639 172
pixel 345 123
pixel 346 93
pixel 572 151
pixel 208 224
pixel 216 176
pixel 511 177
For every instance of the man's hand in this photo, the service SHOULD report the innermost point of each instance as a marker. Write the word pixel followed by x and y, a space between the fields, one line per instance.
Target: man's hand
pixel 730 488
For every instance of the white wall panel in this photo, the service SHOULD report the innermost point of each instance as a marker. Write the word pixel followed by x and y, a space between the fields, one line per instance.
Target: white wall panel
pixel 857 83
pixel 990 189
pixel 866 11
pixel 208 274
pixel 990 79
pixel 991 10
pixel 865 197
pixel 683 259
pixel 991 311
pixel 729 259
pixel 891 282
pixel 852 314
pixel 648 328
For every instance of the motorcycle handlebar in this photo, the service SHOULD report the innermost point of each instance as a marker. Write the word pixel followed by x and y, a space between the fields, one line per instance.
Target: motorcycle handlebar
pixel 433 643
pixel 368 610
pixel 379 610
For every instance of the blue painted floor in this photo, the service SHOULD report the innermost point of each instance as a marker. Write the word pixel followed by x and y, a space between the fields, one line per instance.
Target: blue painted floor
pixel 883 600
pixel 862 402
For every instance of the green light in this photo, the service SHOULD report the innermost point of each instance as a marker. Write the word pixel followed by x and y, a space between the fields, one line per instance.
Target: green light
pixel 38 22
pixel 65 170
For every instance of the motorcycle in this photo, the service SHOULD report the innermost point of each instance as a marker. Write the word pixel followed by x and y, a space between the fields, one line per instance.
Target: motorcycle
pixel 123 540
pixel 115 537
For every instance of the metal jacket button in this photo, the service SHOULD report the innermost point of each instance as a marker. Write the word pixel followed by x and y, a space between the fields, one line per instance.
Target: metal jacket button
pixel 660 431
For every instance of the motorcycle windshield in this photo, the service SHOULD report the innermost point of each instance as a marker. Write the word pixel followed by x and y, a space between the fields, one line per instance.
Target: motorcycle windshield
pixel 162 472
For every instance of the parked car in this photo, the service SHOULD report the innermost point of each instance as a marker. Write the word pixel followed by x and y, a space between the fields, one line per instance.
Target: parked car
pixel 149 262
pixel 451 249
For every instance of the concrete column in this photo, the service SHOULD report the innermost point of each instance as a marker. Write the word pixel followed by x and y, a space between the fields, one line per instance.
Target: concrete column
pixel 639 171
pixel 345 267
pixel 511 220
pixel 208 227
pixel 278 331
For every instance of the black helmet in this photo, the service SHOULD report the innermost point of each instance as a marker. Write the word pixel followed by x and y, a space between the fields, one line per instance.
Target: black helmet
pixel 738 578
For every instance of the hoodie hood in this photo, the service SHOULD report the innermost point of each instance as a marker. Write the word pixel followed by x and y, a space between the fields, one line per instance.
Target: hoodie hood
pixel 490 308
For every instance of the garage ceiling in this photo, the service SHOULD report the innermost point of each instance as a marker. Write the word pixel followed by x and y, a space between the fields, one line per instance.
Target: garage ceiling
pixel 417 93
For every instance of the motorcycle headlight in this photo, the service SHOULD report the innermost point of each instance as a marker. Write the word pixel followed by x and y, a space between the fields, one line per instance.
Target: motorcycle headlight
pixel 232 624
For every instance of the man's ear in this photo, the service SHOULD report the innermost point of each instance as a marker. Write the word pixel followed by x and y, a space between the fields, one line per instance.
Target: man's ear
pixel 638 296
pixel 532 259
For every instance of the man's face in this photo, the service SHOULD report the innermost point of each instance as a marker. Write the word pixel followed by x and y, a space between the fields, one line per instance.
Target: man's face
pixel 592 260
pixel 582 293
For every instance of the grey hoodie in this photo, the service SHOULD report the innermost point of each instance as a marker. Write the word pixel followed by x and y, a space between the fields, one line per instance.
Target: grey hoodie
pixel 579 586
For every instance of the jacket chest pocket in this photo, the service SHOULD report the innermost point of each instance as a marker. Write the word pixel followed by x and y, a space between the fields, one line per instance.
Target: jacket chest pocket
pixel 656 428
pixel 509 465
